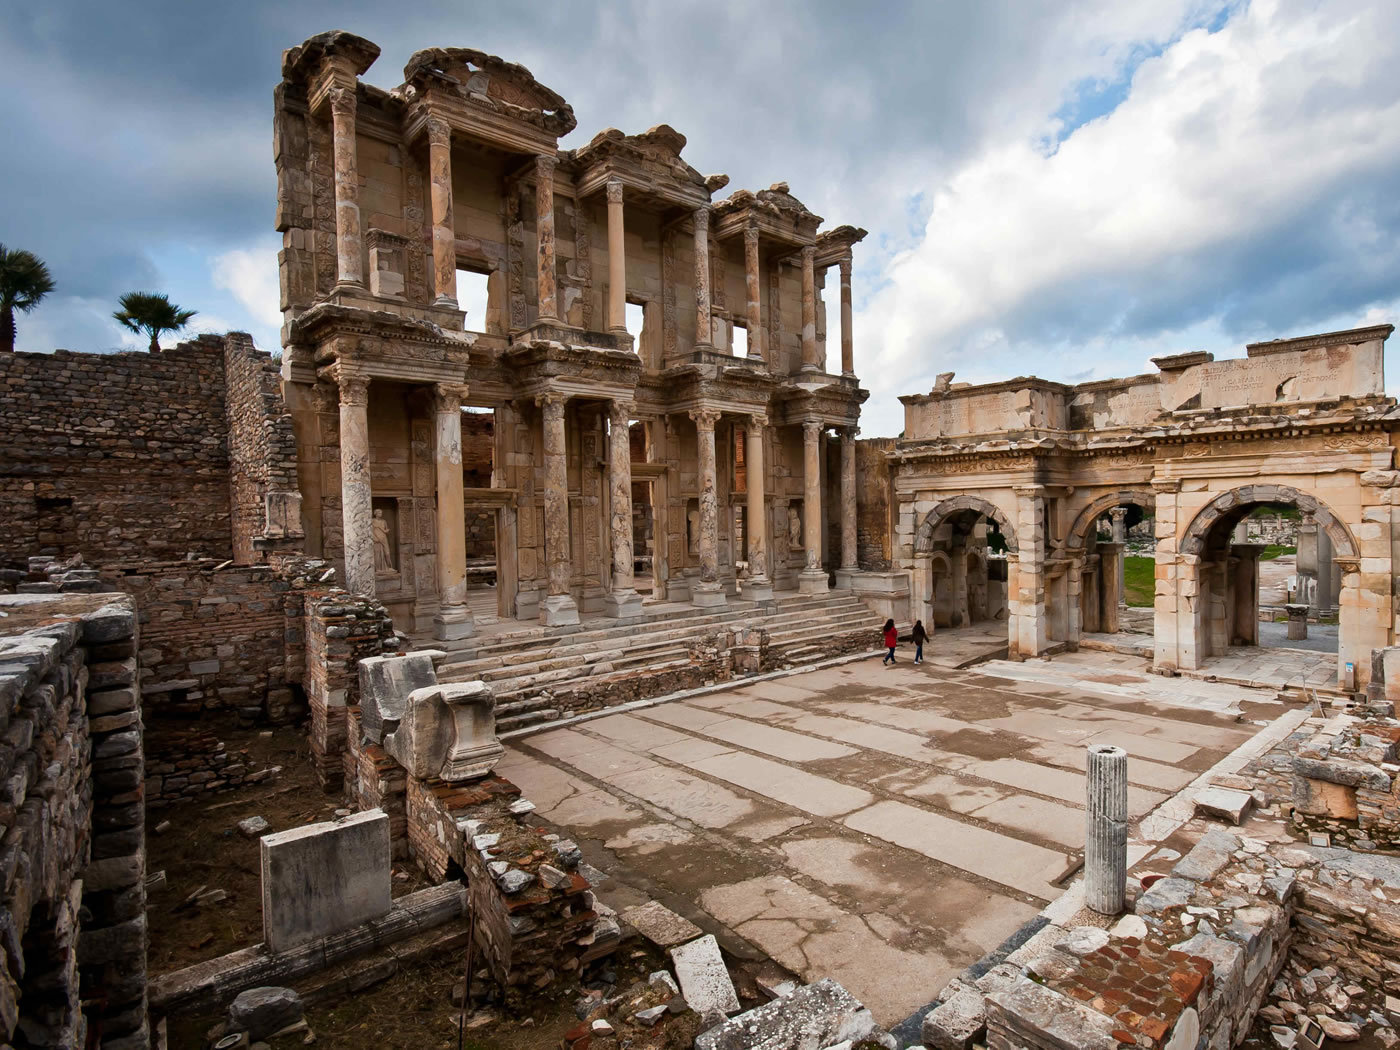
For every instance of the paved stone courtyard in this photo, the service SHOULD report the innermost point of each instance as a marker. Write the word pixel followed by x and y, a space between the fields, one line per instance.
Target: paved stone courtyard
pixel 882 826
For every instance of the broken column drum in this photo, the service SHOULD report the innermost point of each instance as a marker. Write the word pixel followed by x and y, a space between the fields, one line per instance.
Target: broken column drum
pixel 1106 829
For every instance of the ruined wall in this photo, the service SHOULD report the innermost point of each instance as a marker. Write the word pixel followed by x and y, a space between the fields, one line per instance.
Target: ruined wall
pixel 114 455
pixel 73 907
pixel 261 448
pixel 875 514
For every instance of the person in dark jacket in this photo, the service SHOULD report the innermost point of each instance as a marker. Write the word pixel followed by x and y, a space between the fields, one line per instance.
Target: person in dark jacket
pixel 891 640
pixel 920 637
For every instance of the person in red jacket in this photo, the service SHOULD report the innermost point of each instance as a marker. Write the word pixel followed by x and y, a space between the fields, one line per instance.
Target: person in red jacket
pixel 891 640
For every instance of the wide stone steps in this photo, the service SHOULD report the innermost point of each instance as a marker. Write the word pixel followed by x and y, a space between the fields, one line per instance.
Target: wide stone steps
pixel 528 668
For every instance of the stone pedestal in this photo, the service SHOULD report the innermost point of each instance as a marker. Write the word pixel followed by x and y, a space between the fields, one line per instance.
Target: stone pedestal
pixel 357 514
pixel 1106 829
pixel 759 585
pixel 812 579
pixel 1297 622
pixel 558 609
pixel 622 601
pixel 707 592
pixel 453 619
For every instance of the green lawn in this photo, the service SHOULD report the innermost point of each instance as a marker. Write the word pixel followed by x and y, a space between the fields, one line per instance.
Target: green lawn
pixel 1139 580
pixel 1273 551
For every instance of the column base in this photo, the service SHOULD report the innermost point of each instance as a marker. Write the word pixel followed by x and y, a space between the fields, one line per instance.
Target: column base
pixel 845 579
pixel 447 301
pixel 813 581
pixel 559 610
pixel 624 605
pixel 707 595
pixel 453 622
pixel 759 589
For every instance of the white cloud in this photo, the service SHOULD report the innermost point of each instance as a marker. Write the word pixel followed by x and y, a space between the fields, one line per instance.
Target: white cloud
pixel 1224 140
pixel 250 276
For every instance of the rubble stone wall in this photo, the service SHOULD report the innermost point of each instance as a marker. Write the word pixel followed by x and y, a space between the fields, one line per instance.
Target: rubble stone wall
pixel 262 446
pixel 73 907
pixel 114 455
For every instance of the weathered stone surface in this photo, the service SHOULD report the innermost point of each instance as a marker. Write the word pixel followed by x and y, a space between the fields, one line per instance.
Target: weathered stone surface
pixel 448 732
pixel 385 685
pixel 1225 803
pixel 324 878
pixel 703 977
pixel 1207 857
pixel 262 1011
pixel 823 1013
pixel 659 924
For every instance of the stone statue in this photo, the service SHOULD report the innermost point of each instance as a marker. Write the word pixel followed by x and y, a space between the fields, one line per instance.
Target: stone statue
pixel 794 529
pixel 383 547
pixel 693 529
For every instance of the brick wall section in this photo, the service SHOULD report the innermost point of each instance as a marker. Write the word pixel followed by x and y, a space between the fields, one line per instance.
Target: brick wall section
pixel 262 449
pixel 114 455
pixel 874 503
pixel 340 630
pixel 536 937
pixel 373 780
pixel 185 761
pixel 73 852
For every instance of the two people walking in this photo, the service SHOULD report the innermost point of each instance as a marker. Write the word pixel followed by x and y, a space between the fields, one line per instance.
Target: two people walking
pixel 919 635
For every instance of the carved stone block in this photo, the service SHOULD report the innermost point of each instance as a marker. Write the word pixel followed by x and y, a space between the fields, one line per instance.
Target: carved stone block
pixel 447 732
pixel 385 685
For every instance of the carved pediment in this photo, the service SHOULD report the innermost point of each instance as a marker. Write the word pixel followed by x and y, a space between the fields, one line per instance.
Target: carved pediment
pixel 657 151
pixel 489 81
pixel 304 61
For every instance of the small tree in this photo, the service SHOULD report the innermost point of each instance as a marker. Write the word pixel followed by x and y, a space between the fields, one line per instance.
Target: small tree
pixel 24 281
pixel 152 313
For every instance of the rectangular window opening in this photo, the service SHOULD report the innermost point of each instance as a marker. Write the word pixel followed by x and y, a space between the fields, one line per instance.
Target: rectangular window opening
pixel 635 318
pixel 741 341
pixel 471 297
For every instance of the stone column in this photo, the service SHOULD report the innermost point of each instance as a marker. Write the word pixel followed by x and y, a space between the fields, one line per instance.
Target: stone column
pixel 1111 597
pixel 759 585
pixel 848 353
pixel 1120 537
pixel 1326 572
pixel 1028 629
pixel 850 560
pixel 809 310
pixel 444 232
pixel 558 608
pixel 703 336
pixel 347 193
pixel 357 511
pixel 708 591
pixel 757 348
pixel 622 601
pixel 617 262
pixel 1106 829
pixel 1297 621
pixel 812 579
pixel 544 240
pixel 454 616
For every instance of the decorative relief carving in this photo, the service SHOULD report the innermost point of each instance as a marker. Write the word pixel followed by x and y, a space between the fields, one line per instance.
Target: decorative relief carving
pixel 705 418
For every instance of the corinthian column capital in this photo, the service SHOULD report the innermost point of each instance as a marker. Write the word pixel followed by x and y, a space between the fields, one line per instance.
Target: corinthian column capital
pixel 342 101
pixel 448 397
pixel 614 189
pixel 705 418
pixel 354 388
pixel 439 132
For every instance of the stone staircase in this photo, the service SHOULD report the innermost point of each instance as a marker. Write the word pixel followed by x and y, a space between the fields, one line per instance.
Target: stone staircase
pixel 527 667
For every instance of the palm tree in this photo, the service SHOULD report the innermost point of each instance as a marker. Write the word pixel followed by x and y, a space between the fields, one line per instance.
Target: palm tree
pixel 24 280
pixel 152 313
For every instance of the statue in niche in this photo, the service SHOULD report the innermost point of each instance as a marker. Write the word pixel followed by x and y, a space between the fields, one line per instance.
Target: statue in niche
pixel 794 529
pixel 692 527
pixel 383 543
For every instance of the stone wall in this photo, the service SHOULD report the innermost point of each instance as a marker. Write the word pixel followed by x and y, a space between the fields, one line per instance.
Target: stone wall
pixel 875 521
pixel 188 760
pixel 114 455
pixel 262 452
pixel 73 906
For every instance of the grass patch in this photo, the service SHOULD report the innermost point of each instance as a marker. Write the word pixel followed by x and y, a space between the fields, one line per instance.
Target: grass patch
pixel 1273 551
pixel 1140 581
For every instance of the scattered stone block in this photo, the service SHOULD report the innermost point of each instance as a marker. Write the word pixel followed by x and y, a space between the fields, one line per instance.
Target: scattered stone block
pixel 703 977
pixel 447 731
pixel 252 827
pixel 1225 803
pixel 1207 857
pixel 820 1014
pixel 957 1023
pixel 385 685
pixel 262 1011
pixel 660 925
pixel 324 878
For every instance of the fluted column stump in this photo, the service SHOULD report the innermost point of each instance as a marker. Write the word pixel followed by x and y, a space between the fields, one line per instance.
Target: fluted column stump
pixel 1106 829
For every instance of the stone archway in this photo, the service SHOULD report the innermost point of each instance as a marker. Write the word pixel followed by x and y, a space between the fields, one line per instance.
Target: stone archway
pixel 944 594
pixel 1145 498
pixel 1099 569
pixel 1216 581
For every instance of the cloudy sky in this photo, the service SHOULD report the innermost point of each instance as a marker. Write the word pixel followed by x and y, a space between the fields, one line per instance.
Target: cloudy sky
pixel 1063 188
